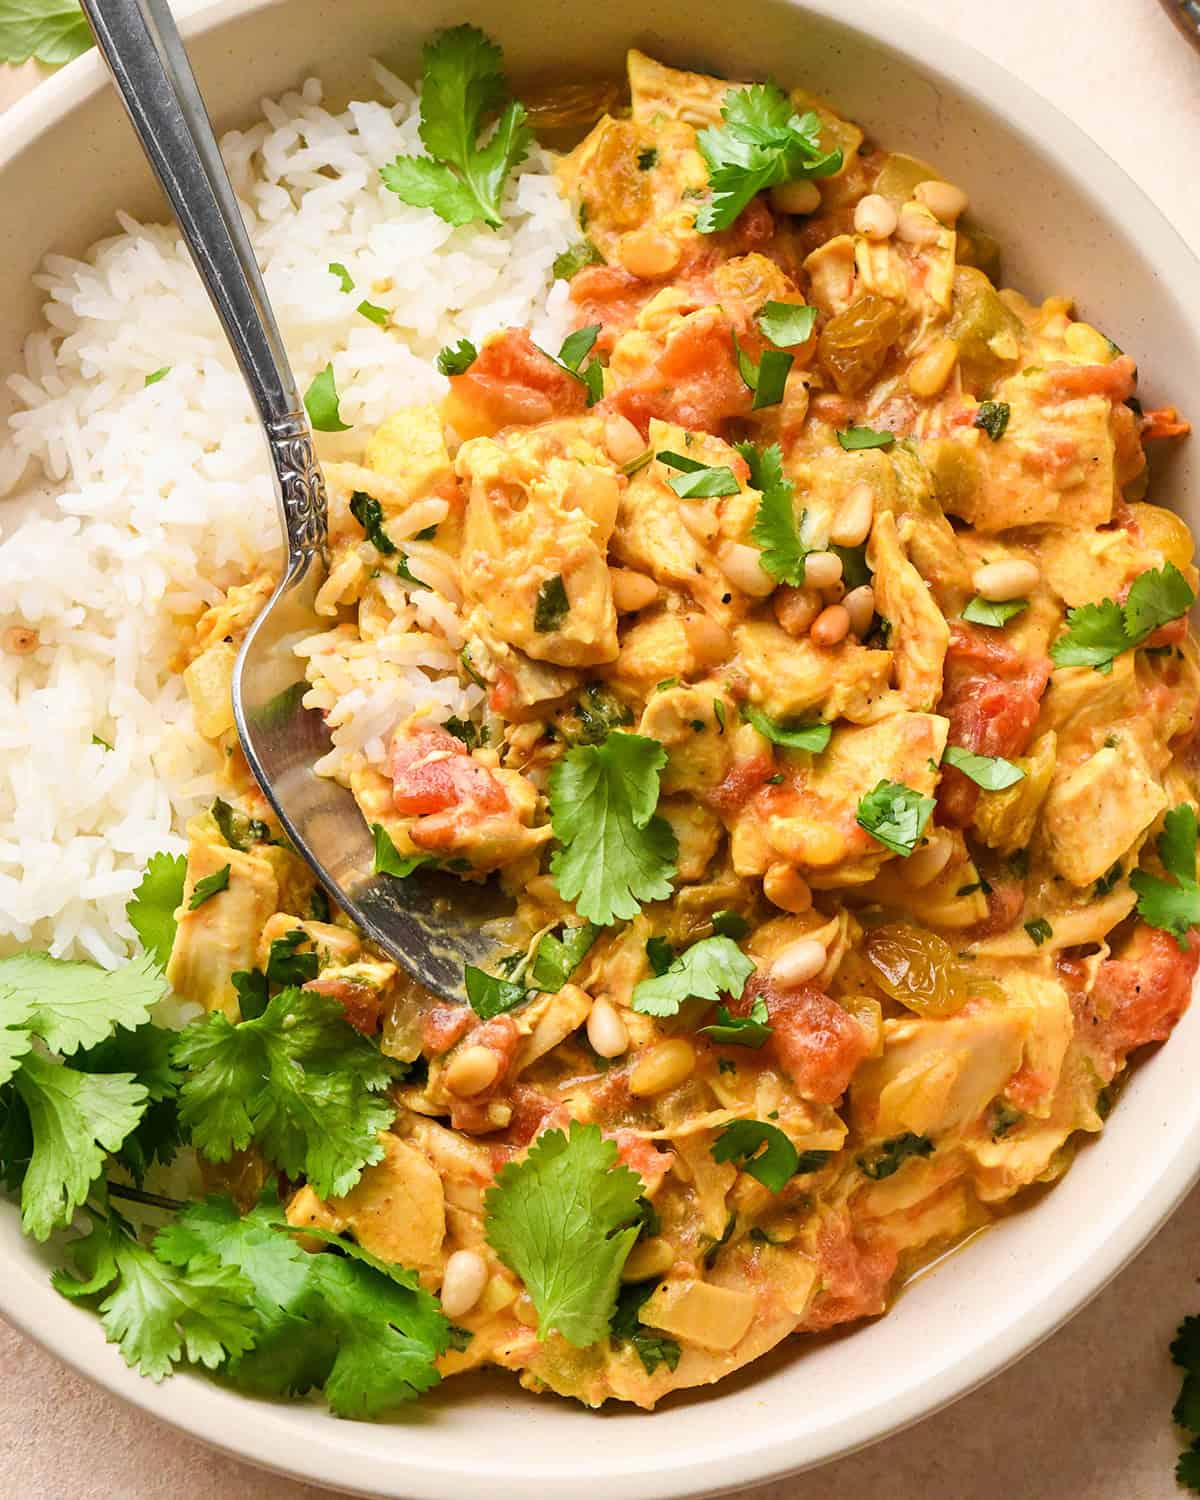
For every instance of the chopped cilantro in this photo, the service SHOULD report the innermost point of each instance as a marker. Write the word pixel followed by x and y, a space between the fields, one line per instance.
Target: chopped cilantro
pixel 993 612
pixel 457 359
pixel 730 924
pixel 321 403
pixel 992 772
pixel 156 375
pixel 753 1030
pixel 557 958
pixel 1174 907
pixel 345 280
pixel 1039 931
pixel 373 313
pixel 775 529
pixel 581 254
pixel 888 1158
pixel 490 996
pixel 813 737
pixel 209 886
pixel 786 323
pixel 697 481
pixel 389 860
pixel 992 417
pixel 895 815
pixel 759 1149
pixel 647 158
pixel 854 439
pixel 151 909
pixel 552 606
pixel 651 1347
pixel 712 967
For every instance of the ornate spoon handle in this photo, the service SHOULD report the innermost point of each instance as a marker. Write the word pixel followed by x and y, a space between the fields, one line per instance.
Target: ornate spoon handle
pixel 144 52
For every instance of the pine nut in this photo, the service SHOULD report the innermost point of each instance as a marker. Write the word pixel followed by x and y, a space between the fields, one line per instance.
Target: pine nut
pixel 652 1257
pixel 622 441
pixel 831 626
pixel 943 200
pixel 1011 579
pixel 822 570
pixel 786 888
pixel 917 226
pixel 711 643
pixel 802 197
pixel 699 520
pixel 796 609
pixel 606 1032
pixel 875 217
pixel 852 524
pixel 20 640
pixel 665 1066
pixel 648 253
pixel 925 864
pixel 798 962
pixel 631 590
pixel 743 567
pixel 929 372
pixel 471 1071
pixel 859 604
pixel 463 1282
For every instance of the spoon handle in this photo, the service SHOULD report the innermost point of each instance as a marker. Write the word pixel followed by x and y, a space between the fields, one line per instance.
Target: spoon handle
pixel 145 55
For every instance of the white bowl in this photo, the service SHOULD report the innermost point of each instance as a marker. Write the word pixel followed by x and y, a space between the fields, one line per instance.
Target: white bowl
pixel 1070 222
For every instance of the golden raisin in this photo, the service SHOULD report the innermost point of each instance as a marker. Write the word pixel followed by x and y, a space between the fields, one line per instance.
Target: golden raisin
pixel 854 345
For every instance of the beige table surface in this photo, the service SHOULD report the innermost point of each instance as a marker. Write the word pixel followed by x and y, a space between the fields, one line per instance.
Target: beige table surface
pixel 1085 1417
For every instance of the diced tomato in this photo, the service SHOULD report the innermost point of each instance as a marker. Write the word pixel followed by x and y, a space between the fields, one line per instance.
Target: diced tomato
pixel 741 782
pixel 1163 422
pixel 644 1158
pixel 992 697
pixel 431 772
pixel 1029 1086
pixel 360 1001
pixel 1141 995
pixel 753 229
pixel 530 1110
pixel 1115 380
pixel 1005 900
pixel 611 297
pixel 443 1025
pixel 855 1274
pixel 816 1043
pixel 512 381
pixel 694 381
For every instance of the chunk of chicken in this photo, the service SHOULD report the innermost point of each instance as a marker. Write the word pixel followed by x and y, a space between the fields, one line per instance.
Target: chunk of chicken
pixel 791 679
pixel 409 448
pixel 693 724
pixel 1096 811
pixel 919 635
pixel 541 504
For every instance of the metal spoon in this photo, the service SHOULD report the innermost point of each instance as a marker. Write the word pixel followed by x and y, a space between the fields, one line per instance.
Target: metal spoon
pixel 430 923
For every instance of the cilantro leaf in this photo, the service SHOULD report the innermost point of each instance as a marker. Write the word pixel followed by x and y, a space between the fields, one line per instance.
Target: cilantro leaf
pixel 298 1079
pixel 1186 1411
pixel 368 512
pixel 574 259
pixel 762 144
pixel 753 1030
pixel 53 31
pixel 577 346
pixel 321 403
pixel 285 966
pixel 992 772
pixel 563 1220
pixel 389 860
pixel 146 1054
pixel 153 378
pixel 651 1347
pixel 1173 907
pixel 73 1004
pixel 460 179
pixel 712 967
pixel 237 829
pixel 895 815
pixel 889 1157
pixel 855 439
pixel 151 909
pixel 767 378
pixel 457 359
pixel 157 1313
pixel 660 954
pixel 742 1141
pixel 1039 931
pixel 786 323
pixel 994 612
pixel 697 481
pixel 1185 1349
pixel 552 606
pixel 1097 634
pixel 557 959
pixel 616 853
pixel 210 886
pixel 74 1119
pixel 345 280
pixel 1187 1469
pixel 775 529
pixel 490 996
pixel 730 924
pixel 992 417
pixel 373 313
pixel 812 737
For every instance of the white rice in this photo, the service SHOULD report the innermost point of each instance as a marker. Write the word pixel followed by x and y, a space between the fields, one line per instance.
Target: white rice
pixel 130 505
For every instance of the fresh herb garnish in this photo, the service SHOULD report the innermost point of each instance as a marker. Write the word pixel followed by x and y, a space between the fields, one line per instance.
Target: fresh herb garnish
pixel 762 144
pixel 650 1346
pixel 368 512
pixel 753 1030
pixel 992 417
pixel 389 860
pixel 1039 931
pixel 1173 907
pixel 209 886
pixel 490 996
pixel 760 1149
pixel 152 907
pixel 647 158
pixel 345 280
pixel 552 606
pixel 786 323
pixel 992 772
pixel 888 1158
pixel 994 612
pixel 373 313
pixel 730 924
pixel 156 375
pixel 616 852
pixel 568 262
pixel 767 378
pixel 813 737
pixel 457 359
pixel 565 1219
pixel 775 529
pixel 321 403
pixel 53 31
pixel 557 958
pixel 461 87
pixel 1098 633
pixel 713 967
pixel 660 954
pixel 855 439
pixel 697 481
pixel 237 829
pixel 896 815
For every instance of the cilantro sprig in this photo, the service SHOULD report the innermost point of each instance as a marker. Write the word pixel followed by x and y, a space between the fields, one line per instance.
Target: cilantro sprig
pixel 759 1149
pixel 462 180
pixel 1173 905
pixel 616 851
pixel 992 772
pixel 775 528
pixel 1097 634
pixel 812 737
pixel 713 967
pixel 896 815
pixel 565 1219
pixel 763 143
